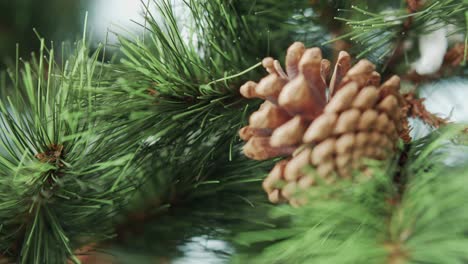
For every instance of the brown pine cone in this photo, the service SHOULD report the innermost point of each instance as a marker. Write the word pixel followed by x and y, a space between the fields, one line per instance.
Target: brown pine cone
pixel 329 131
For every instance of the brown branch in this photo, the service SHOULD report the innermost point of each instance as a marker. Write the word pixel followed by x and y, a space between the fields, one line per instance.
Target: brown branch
pixel 415 108
pixel 395 248
pixel 52 155
pixel 396 254
pixel 414 5
pixel 455 56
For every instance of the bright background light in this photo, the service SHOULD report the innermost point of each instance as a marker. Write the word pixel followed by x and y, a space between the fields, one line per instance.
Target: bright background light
pixel 114 16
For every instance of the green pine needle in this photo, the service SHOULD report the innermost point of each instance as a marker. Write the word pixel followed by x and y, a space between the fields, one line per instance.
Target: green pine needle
pixel 56 168
pixel 371 222
pixel 377 34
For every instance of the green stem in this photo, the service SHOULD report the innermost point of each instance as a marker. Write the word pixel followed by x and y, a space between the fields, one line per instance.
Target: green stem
pixel 235 75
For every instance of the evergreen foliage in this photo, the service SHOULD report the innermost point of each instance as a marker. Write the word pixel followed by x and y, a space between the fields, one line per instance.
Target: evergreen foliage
pixel 423 221
pixel 59 177
pixel 143 153
pixel 177 96
pixel 381 34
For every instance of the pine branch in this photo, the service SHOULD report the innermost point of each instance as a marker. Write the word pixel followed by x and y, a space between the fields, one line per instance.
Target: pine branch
pixel 176 209
pixel 176 93
pixel 179 180
pixel 424 224
pixel 58 174
pixel 178 79
pixel 371 222
pixel 381 32
pixel 414 107
pixel 342 224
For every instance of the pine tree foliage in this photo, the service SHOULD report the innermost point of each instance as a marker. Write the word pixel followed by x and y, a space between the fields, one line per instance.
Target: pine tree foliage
pixel 91 151
pixel 422 220
pixel 212 209
pixel 176 92
pixel 174 83
pixel 60 179
pixel 379 34
pixel 176 177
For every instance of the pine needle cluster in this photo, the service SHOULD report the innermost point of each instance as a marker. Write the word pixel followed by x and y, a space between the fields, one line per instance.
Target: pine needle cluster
pixel 61 180
pixel 422 220
pixel 380 35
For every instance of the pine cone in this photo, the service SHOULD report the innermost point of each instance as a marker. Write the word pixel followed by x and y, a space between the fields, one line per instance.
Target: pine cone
pixel 329 131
